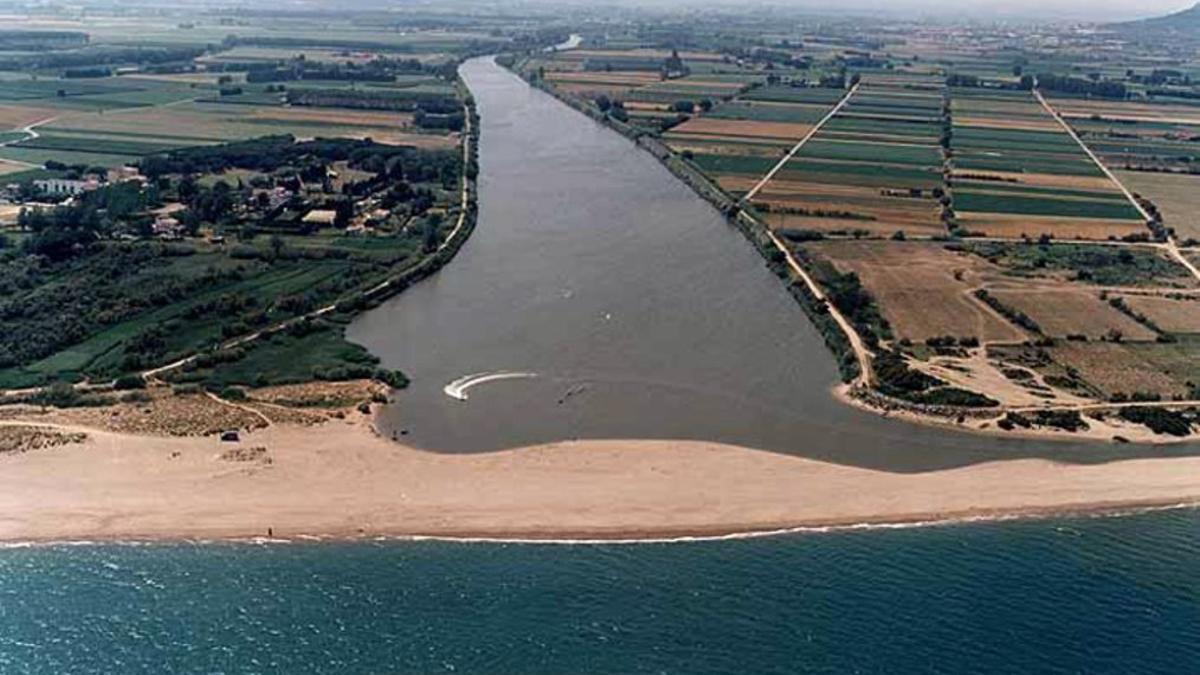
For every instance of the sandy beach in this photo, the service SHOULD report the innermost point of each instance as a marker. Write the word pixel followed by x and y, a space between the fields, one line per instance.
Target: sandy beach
pixel 340 479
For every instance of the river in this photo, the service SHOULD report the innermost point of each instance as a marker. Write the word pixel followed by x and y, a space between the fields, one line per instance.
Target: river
pixel 599 297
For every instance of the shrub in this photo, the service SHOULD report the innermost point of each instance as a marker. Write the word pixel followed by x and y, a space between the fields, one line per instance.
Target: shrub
pixel 126 382
pixel 1158 420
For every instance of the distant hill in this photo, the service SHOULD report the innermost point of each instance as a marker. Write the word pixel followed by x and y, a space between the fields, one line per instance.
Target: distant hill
pixel 1184 23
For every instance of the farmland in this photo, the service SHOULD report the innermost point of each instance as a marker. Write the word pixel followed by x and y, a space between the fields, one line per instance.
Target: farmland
pixel 1018 173
pixel 874 166
pixel 193 89
pixel 950 210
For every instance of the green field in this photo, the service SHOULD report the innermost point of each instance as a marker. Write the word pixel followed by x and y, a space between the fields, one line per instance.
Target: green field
pixel 966 200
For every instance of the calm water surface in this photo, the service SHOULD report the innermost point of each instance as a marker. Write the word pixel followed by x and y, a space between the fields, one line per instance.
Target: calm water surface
pixel 643 313
pixel 1094 595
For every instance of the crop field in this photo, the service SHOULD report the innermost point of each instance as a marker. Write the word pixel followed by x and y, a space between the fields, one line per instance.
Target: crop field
pixel 1018 173
pixel 637 78
pixel 118 137
pixel 1178 314
pixel 865 170
pixel 1177 196
pixel 1061 311
pixel 1164 369
pixel 923 289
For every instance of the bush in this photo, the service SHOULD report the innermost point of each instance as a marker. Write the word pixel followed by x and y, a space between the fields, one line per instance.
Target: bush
pixel 392 378
pixel 233 394
pixel 126 382
pixel 135 397
pixel 1158 420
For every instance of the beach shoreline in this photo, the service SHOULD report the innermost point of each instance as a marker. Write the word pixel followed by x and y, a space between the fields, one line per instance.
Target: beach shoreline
pixel 342 481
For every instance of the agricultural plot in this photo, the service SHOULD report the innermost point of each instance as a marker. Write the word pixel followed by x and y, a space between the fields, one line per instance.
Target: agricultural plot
pixel 657 88
pixel 1165 370
pixel 923 289
pixel 874 167
pixel 1175 313
pixel 1018 173
pixel 116 138
pixel 1141 146
pixel 1061 311
pixel 1176 195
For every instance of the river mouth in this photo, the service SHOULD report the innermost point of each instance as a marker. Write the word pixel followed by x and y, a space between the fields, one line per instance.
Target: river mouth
pixel 638 311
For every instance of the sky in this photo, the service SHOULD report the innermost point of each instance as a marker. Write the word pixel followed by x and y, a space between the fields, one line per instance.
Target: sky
pixel 1089 10
pixel 1106 10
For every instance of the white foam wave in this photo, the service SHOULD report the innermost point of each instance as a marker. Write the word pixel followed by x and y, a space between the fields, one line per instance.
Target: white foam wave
pixel 458 388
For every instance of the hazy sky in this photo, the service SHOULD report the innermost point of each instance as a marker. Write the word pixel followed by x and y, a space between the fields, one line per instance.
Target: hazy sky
pixel 1094 10
pixel 1083 9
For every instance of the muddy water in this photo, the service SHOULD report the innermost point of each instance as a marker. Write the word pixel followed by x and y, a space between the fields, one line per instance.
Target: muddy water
pixel 600 298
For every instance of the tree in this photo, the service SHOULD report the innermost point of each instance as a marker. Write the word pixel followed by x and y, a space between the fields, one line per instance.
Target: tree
pixel 706 104
pixel 684 106
pixel 432 223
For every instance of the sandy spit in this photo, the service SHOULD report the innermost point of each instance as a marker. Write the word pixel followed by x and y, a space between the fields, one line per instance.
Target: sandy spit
pixel 341 480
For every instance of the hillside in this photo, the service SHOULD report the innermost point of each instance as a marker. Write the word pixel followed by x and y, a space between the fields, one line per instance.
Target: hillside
pixel 1185 22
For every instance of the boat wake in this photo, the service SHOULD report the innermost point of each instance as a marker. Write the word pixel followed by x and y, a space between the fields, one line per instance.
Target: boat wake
pixel 458 388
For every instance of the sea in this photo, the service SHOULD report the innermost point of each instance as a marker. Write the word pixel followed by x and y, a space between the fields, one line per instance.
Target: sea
pixel 1087 594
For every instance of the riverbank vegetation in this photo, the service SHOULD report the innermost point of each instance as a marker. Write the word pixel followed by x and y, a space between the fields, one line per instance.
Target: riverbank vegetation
pixel 242 191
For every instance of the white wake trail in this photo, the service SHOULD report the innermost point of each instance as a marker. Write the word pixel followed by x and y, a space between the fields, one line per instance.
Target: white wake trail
pixel 458 388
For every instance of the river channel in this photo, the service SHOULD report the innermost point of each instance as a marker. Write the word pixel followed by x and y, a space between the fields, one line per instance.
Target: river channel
pixel 600 298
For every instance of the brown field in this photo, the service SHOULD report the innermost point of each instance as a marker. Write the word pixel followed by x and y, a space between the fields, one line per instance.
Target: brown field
pixel 702 83
pixel 895 213
pixel 616 77
pixel 1097 183
pixel 388 137
pixel 336 116
pixel 186 78
pixel 7 167
pixel 751 141
pixel 1008 123
pixel 898 215
pixel 712 126
pixel 1177 197
pixel 922 289
pixel 593 90
pixel 1164 369
pixel 1169 314
pixel 1150 112
pixel 217 121
pixel 1017 226
pixel 646 53
pixel 646 105
pixel 1063 311
pixel 17 116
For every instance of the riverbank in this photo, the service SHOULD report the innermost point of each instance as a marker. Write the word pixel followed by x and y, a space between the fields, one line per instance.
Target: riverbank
pixel 341 479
